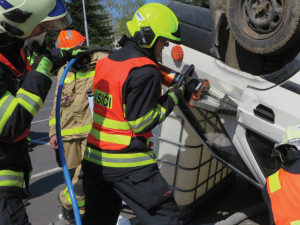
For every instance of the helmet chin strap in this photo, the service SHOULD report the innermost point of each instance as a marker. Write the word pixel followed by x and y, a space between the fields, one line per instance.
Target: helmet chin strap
pixel 35 42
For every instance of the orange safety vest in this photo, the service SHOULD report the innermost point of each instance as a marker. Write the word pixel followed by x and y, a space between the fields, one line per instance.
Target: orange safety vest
pixel 17 73
pixel 284 193
pixel 110 129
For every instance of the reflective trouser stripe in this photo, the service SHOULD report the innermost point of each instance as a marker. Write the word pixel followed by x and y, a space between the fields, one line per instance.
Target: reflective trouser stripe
pixel 120 160
pixel 31 102
pixel 8 104
pixel 113 138
pixel 11 178
pixel 67 195
pixel 274 182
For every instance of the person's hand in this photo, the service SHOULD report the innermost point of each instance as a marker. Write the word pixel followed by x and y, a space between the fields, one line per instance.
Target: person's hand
pixel 54 145
pixel 70 53
pixel 61 56
pixel 43 63
pixel 283 152
pixel 53 142
pixel 176 93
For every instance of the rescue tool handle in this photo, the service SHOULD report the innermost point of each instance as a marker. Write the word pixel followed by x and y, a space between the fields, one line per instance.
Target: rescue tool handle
pixel 189 71
pixel 60 145
pixel 202 88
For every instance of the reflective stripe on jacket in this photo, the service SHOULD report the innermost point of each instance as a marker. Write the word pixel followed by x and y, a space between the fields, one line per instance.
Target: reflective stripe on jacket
pixel 21 98
pixel 122 160
pixel 283 190
pixel 8 102
pixel 110 129
pixel 76 118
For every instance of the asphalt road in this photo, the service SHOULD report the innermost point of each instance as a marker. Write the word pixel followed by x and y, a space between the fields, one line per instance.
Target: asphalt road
pixel 47 180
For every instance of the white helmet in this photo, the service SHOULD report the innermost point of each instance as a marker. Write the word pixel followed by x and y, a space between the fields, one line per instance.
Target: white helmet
pixel 20 17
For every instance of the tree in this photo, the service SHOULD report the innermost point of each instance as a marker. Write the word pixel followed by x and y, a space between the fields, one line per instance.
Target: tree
pixel 122 11
pixel 126 12
pixel 99 25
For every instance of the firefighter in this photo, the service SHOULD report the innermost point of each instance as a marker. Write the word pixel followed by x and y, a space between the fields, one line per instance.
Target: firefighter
pixel 281 192
pixel 22 93
pixel 76 118
pixel 119 163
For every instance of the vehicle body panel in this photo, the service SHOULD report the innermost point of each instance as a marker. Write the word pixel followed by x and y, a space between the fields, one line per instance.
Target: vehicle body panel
pixel 250 93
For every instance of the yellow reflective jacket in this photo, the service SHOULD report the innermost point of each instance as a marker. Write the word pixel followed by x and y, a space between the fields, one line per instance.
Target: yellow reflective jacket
pixel 75 113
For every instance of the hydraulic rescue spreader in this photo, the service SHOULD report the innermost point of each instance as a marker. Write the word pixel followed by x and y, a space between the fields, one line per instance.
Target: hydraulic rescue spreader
pixel 195 88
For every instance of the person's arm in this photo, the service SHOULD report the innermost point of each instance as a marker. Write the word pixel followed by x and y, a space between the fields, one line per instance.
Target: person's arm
pixel 144 109
pixel 17 111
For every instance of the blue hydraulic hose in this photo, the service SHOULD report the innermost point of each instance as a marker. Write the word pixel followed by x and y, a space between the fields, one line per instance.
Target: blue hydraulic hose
pixel 61 148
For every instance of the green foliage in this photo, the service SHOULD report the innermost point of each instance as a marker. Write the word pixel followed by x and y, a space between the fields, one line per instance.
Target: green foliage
pixel 51 38
pixel 122 11
pixel 99 24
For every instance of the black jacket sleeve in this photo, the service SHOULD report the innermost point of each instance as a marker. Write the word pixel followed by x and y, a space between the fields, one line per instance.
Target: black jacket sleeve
pixel 144 106
pixel 18 105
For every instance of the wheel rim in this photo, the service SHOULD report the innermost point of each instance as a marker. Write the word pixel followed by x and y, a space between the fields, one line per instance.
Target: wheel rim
pixel 261 19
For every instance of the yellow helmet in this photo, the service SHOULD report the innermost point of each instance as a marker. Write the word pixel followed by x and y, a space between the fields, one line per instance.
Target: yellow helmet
pixel 151 21
pixel 20 17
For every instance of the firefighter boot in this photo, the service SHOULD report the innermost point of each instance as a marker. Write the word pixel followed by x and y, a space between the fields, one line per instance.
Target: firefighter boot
pixel 63 218
pixel 68 215
pixel 66 218
pixel 62 221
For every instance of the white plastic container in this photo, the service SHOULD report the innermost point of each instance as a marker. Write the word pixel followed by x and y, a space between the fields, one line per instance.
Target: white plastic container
pixel 186 165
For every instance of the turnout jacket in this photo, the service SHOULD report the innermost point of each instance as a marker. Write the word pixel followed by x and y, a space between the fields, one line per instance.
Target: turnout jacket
pixel 135 84
pixel 76 119
pixel 281 193
pixel 22 94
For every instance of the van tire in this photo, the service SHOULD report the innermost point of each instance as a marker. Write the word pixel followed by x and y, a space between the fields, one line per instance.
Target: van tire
pixel 262 27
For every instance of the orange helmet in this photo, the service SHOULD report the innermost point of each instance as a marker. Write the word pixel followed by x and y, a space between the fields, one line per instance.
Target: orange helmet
pixel 69 39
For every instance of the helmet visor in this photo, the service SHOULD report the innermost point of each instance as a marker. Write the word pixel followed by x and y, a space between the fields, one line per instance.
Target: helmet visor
pixel 58 24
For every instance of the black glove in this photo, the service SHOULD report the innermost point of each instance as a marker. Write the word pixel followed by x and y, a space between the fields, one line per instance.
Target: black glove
pixel 81 51
pixel 43 63
pixel 176 93
pixel 82 62
pixel 62 56
pixel 71 53
pixel 283 153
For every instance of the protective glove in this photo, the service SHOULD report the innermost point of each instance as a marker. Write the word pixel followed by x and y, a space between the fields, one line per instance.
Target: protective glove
pixel 290 143
pixel 176 93
pixel 43 63
pixel 70 53
pixel 63 55
pixel 81 51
